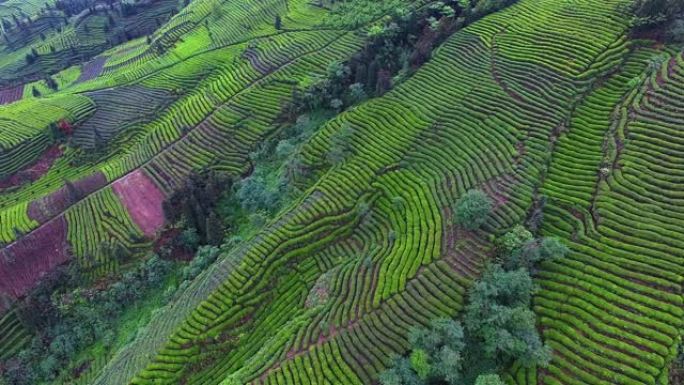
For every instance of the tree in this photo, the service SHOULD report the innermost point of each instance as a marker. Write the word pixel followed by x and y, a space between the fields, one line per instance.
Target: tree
pixel 35 92
pixel 278 23
pixel 472 209
pixel 650 13
pixel 436 356
pixel 533 252
pixel 384 82
pixel 189 238
pixel 254 194
pixel 214 229
pixel 499 322
pixel 357 93
pixel 513 240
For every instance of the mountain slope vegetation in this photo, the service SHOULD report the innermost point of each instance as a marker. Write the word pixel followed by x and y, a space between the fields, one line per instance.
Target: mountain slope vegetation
pixel 341 192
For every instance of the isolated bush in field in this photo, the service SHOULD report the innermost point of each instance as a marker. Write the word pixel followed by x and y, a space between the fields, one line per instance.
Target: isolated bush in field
pixel 357 93
pixel 472 209
pixel 513 240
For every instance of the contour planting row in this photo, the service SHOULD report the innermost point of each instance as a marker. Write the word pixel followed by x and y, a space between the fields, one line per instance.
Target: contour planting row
pixel 116 110
pixel 100 230
pixel 579 156
pixel 13 334
pixel 247 105
pixel 229 22
pixel 258 321
pixel 619 292
pixel 357 352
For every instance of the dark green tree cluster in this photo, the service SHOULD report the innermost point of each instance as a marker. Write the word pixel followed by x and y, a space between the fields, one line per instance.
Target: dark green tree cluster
pixel 518 249
pixel 648 13
pixel 437 356
pixel 67 319
pixel 204 257
pixel 498 325
pixel 194 207
pixel 32 56
pixel 51 83
pixel 277 170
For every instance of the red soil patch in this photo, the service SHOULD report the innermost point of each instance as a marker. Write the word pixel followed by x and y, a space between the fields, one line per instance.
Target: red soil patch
pixel 49 206
pixel 90 184
pixel 25 261
pixel 33 173
pixel 143 201
pixel 52 205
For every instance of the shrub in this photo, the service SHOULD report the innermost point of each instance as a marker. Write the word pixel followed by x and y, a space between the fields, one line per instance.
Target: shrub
pixel 341 147
pixel 489 379
pixel 472 209
pixel 512 240
pixel 420 363
pixel 204 257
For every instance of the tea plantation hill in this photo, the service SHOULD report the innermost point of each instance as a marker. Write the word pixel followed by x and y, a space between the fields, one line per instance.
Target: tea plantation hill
pixel 342 192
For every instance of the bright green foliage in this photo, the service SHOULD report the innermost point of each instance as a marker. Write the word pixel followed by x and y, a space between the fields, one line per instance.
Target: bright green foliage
pixel 542 98
pixel 513 240
pixel 420 363
pixel 472 209
pixel 489 379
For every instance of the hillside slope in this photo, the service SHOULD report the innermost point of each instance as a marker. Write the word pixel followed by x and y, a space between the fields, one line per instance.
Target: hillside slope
pixel 566 121
pixel 485 112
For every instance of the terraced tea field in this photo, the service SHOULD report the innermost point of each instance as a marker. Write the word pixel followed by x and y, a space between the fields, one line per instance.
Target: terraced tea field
pixel 568 120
